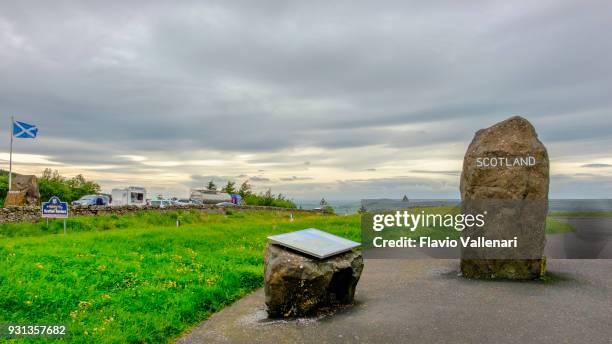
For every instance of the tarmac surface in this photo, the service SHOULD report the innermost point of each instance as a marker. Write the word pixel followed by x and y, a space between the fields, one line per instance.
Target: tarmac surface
pixel 426 301
pixel 591 239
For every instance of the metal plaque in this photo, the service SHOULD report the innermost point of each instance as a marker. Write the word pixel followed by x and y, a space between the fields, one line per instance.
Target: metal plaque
pixel 314 242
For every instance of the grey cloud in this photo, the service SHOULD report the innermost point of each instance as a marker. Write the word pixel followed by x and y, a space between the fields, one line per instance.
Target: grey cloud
pixel 448 173
pixel 219 180
pixel 259 179
pixel 596 165
pixel 393 187
pixel 102 79
pixel 201 180
pixel 577 186
pixel 294 178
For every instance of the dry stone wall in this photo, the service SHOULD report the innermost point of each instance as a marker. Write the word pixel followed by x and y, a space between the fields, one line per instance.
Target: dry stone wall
pixel 32 214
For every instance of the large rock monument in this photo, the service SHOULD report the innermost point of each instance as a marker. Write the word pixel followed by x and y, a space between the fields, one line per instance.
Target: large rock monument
pixel 506 175
pixel 296 285
pixel 24 191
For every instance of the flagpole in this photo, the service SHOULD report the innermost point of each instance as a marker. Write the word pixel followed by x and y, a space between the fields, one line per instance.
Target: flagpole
pixel 10 179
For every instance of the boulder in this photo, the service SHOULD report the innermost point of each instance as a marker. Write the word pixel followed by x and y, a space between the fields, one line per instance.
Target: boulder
pixel 506 173
pixel 296 285
pixel 25 191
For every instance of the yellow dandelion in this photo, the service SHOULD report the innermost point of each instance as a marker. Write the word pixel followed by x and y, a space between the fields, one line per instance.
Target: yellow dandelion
pixel 84 304
pixel 170 284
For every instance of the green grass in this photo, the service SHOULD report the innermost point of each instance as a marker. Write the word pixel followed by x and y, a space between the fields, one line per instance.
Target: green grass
pixel 557 226
pixel 139 278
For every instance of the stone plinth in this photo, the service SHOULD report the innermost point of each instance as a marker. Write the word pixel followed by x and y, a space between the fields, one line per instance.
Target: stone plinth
pixel 15 199
pixel 24 191
pixel 296 285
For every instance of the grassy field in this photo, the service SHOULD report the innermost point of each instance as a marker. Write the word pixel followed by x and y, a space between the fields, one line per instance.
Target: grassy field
pixel 139 278
pixel 557 226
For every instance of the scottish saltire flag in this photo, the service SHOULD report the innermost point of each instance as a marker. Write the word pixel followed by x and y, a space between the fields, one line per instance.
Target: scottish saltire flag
pixel 24 130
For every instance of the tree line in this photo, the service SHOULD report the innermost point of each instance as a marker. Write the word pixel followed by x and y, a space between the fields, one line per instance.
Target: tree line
pixel 245 191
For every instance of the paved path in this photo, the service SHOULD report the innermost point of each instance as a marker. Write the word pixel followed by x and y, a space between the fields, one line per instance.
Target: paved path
pixel 424 301
pixel 591 239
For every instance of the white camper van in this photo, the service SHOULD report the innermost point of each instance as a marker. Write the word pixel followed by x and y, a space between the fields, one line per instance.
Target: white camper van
pixel 132 195
pixel 204 196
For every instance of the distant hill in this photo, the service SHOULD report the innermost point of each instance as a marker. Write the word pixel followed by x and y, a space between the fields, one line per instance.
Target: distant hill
pixel 4 173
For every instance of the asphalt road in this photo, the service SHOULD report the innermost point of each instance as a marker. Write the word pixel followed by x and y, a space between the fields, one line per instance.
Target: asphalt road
pixel 591 239
pixel 425 301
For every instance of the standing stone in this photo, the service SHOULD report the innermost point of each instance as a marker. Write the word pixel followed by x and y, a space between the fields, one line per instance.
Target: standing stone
pixel 516 192
pixel 24 191
pixel 296 285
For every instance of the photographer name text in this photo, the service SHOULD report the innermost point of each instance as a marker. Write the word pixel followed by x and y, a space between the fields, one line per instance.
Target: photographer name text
pixel 427 242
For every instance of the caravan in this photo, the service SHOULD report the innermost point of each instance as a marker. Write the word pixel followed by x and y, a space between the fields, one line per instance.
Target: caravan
pixel 133 195
pixel 203 196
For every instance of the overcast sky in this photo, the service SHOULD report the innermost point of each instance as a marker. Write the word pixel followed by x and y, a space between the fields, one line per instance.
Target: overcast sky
pixel 313 99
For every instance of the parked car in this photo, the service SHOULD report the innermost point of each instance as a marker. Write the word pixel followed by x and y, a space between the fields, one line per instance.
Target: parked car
pixel 183 201
pixel 162 203
pixel 92 200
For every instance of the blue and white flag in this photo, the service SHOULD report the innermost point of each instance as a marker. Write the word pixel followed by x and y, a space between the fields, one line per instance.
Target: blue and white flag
pixel 24 130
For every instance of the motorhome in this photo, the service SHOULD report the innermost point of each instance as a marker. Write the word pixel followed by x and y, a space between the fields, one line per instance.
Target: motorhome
pixel 204 196
pixel 132 195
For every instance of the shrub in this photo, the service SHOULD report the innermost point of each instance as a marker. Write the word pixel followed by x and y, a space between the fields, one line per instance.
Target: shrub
pixel 268 199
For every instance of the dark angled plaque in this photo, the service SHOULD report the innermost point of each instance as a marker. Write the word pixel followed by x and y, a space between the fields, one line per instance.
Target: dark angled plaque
pixel 314 242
